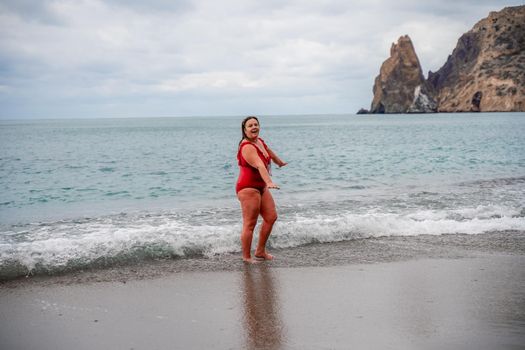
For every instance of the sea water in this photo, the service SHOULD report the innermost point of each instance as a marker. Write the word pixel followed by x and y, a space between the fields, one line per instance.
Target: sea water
pixel 96 192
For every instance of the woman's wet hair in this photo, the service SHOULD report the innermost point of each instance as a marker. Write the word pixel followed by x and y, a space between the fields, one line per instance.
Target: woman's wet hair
pixel 243 124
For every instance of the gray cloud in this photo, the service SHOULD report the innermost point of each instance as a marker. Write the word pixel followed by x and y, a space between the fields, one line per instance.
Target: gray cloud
pixel 30 10
pixel 155 6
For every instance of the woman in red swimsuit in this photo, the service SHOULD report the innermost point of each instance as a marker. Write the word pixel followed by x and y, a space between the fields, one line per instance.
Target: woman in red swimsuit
pixel 252 188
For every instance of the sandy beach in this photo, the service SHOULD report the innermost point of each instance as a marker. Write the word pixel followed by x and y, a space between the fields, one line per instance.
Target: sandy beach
pixel 471 302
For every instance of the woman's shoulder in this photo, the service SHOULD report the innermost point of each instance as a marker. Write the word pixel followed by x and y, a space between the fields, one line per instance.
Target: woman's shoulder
pixel 245 143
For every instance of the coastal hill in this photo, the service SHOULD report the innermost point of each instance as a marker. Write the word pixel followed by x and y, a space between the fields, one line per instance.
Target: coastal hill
pixel 484 73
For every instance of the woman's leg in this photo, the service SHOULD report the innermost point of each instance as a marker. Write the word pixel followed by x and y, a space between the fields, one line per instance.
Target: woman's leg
pixel 269 215
pixel 250 199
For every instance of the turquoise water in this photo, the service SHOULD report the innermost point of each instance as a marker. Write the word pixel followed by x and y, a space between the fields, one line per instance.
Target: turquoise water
pixel 77 191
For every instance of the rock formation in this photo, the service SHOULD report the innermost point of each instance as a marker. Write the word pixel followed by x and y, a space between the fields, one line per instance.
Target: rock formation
pixel 400 86
pixel 484 73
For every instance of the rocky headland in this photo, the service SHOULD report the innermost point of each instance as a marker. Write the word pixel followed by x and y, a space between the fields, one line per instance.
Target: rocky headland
pixel 484 73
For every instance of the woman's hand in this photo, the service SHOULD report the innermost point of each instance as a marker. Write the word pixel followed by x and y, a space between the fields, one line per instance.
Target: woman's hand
pixel 272 185
pixel 282 164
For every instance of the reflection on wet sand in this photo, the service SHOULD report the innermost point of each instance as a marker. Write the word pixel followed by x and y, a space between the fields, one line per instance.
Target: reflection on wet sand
pixel 261 316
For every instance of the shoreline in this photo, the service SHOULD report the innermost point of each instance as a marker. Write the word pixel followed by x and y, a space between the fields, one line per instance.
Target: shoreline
pixel 469 302
pixel 350 252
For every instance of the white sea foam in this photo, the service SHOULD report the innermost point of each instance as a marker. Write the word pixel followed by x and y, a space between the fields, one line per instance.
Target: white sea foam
pixel 374 224
pixel 121 239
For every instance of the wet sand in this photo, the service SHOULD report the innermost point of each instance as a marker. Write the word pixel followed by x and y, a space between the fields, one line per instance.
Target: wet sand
pixel 469 302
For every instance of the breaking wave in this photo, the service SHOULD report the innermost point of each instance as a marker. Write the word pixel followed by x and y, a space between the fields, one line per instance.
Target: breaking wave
pixel 62 246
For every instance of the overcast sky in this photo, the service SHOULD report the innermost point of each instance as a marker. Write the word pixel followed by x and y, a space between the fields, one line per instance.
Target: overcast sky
pixel 153 58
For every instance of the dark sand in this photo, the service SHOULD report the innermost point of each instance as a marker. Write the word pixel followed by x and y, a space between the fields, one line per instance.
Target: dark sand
pixel 417 296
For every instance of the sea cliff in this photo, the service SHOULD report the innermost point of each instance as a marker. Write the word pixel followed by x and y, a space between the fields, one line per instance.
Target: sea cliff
pixel 484 73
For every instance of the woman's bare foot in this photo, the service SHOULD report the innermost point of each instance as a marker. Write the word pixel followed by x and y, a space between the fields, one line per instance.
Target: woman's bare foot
pixel 264 256
pixel 250 260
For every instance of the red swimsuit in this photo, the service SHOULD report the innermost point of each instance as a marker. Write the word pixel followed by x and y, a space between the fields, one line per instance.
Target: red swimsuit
pixel 249 177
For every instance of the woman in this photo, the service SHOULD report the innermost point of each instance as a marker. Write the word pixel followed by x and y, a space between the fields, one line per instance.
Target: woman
pixel 253 185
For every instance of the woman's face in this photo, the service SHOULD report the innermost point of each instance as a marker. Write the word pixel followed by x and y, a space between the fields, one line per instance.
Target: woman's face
pixel 251 128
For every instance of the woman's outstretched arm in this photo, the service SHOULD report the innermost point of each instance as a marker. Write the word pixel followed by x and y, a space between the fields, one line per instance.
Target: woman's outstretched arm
pixel 276 158
pixel 250 154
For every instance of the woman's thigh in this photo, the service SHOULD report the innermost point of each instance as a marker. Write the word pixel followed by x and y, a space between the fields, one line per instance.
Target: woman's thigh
pixel 250 199
pixel 268 211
